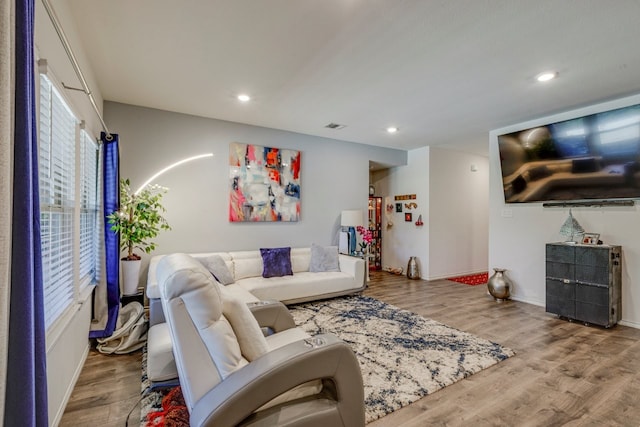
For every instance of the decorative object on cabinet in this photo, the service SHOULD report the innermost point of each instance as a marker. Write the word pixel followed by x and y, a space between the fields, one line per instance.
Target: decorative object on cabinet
pixel 499 285
pixel 590 238
pixel 571 229
pixel 375 227
pixel 349 220
pixel 372 190
pixel 419 222
pixel 412 205
pixel 583 282
pixel 264 184
pixel 408 216
pixel 413 269
pixel 398 207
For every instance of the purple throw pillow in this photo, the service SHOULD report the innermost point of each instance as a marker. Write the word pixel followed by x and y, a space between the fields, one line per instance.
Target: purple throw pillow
pixel 276 262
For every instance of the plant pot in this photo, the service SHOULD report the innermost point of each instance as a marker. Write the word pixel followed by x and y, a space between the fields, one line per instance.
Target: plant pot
pixel 130 275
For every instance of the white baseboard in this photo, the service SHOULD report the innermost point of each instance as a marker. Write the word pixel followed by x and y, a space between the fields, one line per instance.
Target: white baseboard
pixel 467 273
pixel 629 324
pixel 528 301
pixel 67 395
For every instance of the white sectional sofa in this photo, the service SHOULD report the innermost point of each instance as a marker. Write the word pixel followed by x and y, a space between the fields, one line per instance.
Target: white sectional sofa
pixel 246 269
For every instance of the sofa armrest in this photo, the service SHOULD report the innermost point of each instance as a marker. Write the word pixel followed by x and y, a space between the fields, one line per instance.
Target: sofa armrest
pixel 323 357
pixel 353 266
pixel 152 290
pixel 272 314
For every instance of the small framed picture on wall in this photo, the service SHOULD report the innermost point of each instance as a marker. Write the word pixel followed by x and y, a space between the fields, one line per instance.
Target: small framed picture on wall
pixel 398 207
pixel 408 216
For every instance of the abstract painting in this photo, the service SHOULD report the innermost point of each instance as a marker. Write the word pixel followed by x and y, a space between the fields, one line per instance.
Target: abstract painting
pixel 264 183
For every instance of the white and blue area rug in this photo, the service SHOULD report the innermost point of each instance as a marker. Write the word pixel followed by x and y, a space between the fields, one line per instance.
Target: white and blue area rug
pixel 403 357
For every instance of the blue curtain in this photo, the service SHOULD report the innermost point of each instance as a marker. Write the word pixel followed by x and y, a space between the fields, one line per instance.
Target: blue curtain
pixel 111 186
pixel 26 387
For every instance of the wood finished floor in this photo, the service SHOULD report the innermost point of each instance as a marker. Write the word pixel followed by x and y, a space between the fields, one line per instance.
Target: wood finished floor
pixel 564 374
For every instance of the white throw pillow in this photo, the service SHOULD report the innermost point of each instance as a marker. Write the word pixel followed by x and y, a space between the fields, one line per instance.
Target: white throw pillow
pixel 216 266
pixel 323 258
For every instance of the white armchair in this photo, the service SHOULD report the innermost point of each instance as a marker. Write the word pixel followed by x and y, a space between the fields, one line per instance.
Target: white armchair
pixel 231 374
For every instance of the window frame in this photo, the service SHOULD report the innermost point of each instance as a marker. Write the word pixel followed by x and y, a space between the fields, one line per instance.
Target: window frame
pixel 81 287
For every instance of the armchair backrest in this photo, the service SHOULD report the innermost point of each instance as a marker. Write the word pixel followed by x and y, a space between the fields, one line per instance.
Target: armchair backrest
pixel 213 335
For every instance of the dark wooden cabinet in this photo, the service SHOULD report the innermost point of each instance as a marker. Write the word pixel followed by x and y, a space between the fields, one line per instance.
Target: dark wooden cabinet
pixel 583 282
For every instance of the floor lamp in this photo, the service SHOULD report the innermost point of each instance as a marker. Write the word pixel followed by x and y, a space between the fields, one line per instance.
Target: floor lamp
pixel 171 166
pixel 349 220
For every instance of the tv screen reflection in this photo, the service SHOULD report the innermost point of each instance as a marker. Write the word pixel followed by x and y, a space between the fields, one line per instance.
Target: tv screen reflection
pixel 595 157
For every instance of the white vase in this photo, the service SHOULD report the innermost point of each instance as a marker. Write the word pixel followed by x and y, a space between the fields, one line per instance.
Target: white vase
pixel 130 275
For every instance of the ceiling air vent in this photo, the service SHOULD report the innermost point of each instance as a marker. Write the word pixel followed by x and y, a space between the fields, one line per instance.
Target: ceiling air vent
pixel 335 126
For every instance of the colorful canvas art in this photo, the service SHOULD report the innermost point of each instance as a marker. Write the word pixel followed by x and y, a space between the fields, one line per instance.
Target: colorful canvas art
pixel 264 183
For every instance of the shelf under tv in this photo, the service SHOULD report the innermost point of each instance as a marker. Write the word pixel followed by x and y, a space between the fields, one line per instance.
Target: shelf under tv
pixel 588 203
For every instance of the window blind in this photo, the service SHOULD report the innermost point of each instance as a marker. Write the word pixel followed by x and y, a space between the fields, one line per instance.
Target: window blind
pixel 57 199
pixel 89 209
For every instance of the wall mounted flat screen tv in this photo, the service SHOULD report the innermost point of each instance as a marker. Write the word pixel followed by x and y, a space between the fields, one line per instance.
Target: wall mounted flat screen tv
pixel 594 157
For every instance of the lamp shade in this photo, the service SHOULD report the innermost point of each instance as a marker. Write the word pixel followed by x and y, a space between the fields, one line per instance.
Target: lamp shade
pixel 352 218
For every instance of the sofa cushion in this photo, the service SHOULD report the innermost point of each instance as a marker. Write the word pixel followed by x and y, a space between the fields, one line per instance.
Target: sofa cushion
pixel 246 327
pixel 301 285
pixel 246 264
pixel 323 258
pixel 300 258
pixel 161 366
pixel 276 262
pixel 235 291
pixel 218 267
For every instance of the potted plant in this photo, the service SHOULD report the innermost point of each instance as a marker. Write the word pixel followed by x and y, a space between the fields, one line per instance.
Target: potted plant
pixel 138 220
pixel 367 238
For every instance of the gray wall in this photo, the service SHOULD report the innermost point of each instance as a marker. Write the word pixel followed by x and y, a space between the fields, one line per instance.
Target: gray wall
pixel 334 177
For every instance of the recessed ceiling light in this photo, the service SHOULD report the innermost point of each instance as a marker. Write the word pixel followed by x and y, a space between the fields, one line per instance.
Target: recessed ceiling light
pixel 392 129
pixel 335 126
pixel 546 76
pixel 244 97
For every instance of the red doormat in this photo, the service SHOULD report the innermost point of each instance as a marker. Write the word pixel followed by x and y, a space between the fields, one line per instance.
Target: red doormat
pixel 472 279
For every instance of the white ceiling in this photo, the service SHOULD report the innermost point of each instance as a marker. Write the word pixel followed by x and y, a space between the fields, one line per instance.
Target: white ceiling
pixel 444 71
